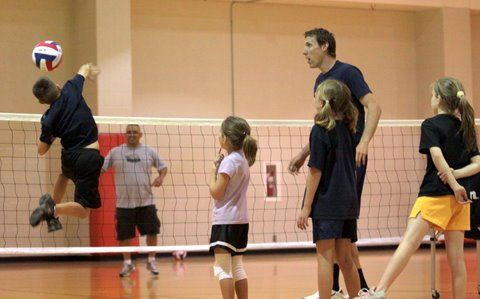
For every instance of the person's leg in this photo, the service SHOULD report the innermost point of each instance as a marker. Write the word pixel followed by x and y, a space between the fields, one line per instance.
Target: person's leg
pixel 125 229
pixel 60 188
pixel 325 255
pixel 151 241
pixel 358 266
pixel 417 228
pixel 456 260
pixel 71 209
pixel 127 256
pixel 361 172
pixel 343 252
pixel 240 277
pixel 223 267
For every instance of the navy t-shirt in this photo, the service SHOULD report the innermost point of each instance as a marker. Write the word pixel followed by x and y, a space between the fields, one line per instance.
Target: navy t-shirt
pixel 353 78
pixel 69 118
pixel 333 153
pixel 443 131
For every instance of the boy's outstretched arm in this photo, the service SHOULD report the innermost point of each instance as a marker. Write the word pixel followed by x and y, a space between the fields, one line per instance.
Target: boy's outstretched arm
pixel 89 71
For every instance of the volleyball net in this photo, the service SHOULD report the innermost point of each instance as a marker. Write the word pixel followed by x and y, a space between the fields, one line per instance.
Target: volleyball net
pixel 188 146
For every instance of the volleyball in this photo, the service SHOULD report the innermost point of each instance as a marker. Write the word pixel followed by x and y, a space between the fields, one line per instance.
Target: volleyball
pixel 47 55
pixel 179 255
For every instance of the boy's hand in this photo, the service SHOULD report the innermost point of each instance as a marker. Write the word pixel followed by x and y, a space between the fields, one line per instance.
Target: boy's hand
pixel 94 71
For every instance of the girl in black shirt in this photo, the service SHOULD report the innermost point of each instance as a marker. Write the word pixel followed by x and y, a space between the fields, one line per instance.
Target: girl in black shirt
pixel 331 196
pixel 448 139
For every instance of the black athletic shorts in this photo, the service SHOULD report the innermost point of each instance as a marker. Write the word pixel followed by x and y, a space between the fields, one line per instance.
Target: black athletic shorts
pixel 232 237
pixel 83 167
pixel 144 218
pixel 334 229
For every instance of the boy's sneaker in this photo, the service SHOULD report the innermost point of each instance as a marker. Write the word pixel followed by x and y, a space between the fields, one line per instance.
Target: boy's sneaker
pixel 152 267
pixel 44 211
pixel 126 270
pixel 53 223
pixel 371 294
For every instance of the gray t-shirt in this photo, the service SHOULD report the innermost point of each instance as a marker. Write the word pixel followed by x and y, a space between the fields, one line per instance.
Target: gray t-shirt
pixel 133 167
pixel 232 209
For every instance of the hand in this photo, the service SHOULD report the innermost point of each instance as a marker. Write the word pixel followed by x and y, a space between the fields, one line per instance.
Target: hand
pixel 94 71
pixel 218 160
pixel 362 153
pixel 302 221
pixel 157 182
pixel 461 195
pixel 296 163
pixel 444 175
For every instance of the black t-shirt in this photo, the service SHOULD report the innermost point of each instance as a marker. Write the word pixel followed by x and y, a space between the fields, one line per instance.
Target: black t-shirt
pixel 353 78
pixel 333 153
pixel 69 118
pixel 442 131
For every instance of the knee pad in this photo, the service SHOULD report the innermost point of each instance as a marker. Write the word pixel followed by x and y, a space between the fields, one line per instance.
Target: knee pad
pixel 223 266
pixel 238 271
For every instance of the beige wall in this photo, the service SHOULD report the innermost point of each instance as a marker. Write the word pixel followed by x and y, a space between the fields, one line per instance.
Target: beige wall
pixel 180 58
pixel 178 63
pixel 23 24
pixel 475 19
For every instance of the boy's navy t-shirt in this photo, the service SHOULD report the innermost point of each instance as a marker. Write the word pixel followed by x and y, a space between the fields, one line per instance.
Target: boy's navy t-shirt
pixel 69 118
pixel 352 77
pixel 333 153
pixel 443 131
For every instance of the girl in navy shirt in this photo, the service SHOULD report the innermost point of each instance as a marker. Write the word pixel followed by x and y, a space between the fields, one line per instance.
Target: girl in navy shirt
pixel 331 197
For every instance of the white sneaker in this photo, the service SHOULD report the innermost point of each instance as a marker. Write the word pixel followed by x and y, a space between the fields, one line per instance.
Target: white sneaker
pixel 371 294
pixel 334 295
pixel 315 295
pixel 126 270
pixel 337 294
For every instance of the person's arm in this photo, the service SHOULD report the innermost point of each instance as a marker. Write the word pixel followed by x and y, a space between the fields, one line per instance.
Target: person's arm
pixel 297 162
pixel 43 147
pixel 469 170
pixel 373 116
pixel 442 166
pixel 313 179
pixel 89 71
pixel 218 181
pixel 161 175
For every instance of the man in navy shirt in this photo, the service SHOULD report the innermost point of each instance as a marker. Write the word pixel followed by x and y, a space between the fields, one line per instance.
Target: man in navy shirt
pixel 70 119
pixel 320 52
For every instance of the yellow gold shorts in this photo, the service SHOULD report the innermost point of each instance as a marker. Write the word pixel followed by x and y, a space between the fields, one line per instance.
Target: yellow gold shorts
pixel 443 212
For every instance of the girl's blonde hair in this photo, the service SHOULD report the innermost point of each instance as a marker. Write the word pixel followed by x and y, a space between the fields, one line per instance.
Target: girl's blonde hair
pixel 453 99
pixel 237 132
pixel 337 104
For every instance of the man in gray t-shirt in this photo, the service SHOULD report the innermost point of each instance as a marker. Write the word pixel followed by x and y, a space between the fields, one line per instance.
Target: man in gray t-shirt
pixel 133 164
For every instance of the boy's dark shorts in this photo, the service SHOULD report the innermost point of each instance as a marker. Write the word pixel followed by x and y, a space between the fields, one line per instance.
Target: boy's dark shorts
pixel 83 167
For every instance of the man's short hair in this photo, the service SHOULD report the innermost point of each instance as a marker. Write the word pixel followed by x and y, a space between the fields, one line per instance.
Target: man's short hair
pixel 323 36
pixel 45 90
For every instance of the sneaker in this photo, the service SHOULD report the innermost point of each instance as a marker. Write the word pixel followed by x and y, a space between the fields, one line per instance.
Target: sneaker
pixel 44 211
pixel 334 295
pixel 126 270
pixel 315 295
pixel 53 223
pixel 337 294
pixel 371 294
pixel 152 267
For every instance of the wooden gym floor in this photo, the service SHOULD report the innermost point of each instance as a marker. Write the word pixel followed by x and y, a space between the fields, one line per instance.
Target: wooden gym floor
pixel 279 275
